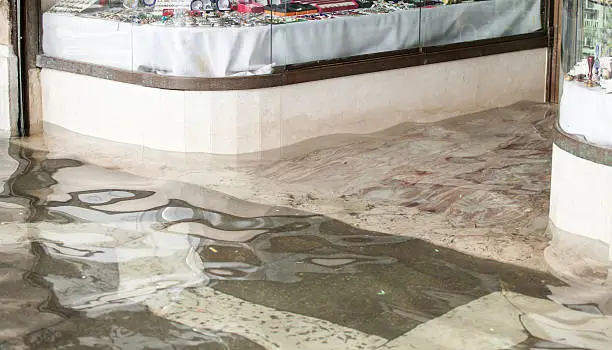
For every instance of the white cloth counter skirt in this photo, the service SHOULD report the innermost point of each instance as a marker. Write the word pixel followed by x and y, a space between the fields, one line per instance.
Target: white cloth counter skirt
pixel 586 112
pixel 222 52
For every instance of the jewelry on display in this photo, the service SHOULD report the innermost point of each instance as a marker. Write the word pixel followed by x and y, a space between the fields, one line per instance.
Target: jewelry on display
pixel 130 4
pixel 569 77
pixel 197 5
pixel 232 13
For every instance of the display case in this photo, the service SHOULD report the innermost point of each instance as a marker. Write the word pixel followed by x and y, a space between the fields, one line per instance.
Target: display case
pixel 580 201
pixel 228 38
pixel 586 67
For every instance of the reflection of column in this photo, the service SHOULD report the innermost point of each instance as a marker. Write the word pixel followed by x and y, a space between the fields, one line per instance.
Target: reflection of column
pixel 117 267
pixel 113 272
pixel 11 209
pixel 21 300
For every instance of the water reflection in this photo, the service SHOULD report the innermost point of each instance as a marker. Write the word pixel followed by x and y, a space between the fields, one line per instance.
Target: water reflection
pixel 109 247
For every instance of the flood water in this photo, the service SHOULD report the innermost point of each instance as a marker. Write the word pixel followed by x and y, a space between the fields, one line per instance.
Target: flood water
pixel 95 258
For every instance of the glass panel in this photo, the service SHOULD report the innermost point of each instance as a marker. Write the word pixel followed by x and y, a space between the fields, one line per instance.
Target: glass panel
pixel 224 38
pixel 191 38
pixel 587 30
pixel 586 65
pixel 453 21
pixel 91 31
pixel 203 38
pixel 321 30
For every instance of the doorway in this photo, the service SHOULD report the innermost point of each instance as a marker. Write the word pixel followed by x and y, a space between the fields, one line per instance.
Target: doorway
pixel 25 19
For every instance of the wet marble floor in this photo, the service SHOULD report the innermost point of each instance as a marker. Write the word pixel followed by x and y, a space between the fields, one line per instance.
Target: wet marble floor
pixel 335 244
pixel 478 183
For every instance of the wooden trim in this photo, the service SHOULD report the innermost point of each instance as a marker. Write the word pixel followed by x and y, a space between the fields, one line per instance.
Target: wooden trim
pixel 31 31
pixel 485 42
pixel 12 18
pixel 27 25
pixel 296 74
pixel 352 59
pixel 554 52
pixel 161 81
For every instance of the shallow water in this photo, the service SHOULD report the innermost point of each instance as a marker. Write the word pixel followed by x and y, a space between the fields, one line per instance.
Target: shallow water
pixel 95 258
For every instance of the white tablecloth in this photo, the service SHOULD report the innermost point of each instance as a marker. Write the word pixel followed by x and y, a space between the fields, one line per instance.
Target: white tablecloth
pixel 586 112
pixel 219 52
pixel 479 20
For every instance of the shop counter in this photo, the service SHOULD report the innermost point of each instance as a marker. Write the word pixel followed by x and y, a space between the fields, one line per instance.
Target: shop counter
pixel 240 51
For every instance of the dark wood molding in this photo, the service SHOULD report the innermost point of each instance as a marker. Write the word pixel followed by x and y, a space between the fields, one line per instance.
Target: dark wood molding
pixel 554 53
pixel 31 23
pixel 12 17
pixel 162 81
pixel 26 24
pixel 581 148
pixel 296 74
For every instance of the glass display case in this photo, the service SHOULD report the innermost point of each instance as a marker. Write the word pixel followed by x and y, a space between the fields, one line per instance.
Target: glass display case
pixel 226 38
pixel 586 70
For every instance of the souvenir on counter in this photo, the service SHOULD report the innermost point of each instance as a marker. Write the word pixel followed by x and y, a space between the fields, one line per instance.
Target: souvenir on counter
pixel 593 71
pixel 249 7
pixel 201 5
pixel 291 9
pixel 365 3
pixel 130 4
pixel 149 3
pixel 334 5
pixel 428 3
pixel 172 4
pixel 223 5
pixel 72 6
pixel 591 63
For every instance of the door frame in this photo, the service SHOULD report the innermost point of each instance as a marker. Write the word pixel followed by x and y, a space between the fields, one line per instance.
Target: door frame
pixel 25 40
pixel 555 19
